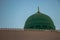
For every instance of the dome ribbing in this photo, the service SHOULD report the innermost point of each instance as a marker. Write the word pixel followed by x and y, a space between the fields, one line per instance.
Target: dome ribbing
pixel 39 21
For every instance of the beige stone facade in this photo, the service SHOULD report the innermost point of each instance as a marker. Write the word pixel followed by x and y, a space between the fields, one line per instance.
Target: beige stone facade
pixel 15 34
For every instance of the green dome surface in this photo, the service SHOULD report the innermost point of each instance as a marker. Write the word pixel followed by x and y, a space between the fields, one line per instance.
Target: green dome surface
pixel 39 21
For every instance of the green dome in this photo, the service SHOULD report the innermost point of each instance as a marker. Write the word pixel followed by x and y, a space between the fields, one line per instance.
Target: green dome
pixel 39 21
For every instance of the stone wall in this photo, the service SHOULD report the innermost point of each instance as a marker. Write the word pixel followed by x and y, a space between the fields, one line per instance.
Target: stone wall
pixel 15 34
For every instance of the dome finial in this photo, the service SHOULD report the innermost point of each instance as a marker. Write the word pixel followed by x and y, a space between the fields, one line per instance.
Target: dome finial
pixel 38 8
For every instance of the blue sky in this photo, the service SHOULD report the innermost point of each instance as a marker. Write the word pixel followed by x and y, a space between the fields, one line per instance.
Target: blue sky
pixel 13 13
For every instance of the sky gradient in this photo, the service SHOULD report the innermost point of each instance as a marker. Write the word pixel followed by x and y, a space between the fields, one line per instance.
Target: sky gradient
pixel 13 13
